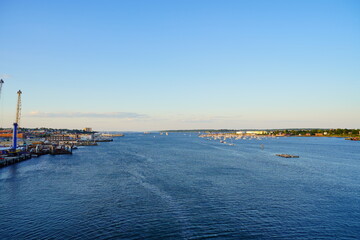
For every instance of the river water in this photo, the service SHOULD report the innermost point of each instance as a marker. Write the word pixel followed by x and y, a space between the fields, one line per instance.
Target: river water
pixel 184 187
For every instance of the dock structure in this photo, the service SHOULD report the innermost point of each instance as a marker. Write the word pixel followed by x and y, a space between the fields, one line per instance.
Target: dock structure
pixel 6 161
pixel 104 140
pixel 46 142
pixel 86 143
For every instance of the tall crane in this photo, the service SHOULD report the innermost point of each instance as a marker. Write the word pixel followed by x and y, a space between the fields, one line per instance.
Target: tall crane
pixel 18 108
pixel 17 120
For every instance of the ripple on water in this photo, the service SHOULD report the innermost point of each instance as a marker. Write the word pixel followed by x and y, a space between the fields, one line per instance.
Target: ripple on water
pixel 182 187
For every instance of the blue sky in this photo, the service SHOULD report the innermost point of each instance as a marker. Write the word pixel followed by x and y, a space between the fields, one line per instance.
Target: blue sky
pixel 152 65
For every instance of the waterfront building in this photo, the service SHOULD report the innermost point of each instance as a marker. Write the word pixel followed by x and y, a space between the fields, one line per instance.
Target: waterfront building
pixel 60 137
pixel 10 135
pixel 240 132
pixel 256 132
pixel 86 137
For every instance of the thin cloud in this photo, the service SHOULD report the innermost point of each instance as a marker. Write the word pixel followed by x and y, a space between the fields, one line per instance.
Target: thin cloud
pixel 119 115
pixel 209 119
pixel 5 76
pixel 198 120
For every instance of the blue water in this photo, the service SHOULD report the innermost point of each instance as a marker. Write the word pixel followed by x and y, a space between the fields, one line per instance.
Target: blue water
pixel 184 187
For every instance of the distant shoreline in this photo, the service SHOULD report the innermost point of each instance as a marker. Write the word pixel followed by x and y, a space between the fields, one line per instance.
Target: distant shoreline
pixel 297 132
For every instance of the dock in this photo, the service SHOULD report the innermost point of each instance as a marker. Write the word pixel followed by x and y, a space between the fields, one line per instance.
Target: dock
pixel 104 140
pixel 6 161
pixel 41 142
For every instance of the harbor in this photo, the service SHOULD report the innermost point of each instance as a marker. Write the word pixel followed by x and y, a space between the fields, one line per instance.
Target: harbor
pixel 19 144
pixel 241 120
pixel 33 143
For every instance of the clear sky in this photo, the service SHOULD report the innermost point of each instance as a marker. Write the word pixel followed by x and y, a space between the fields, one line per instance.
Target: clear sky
pixel 181 64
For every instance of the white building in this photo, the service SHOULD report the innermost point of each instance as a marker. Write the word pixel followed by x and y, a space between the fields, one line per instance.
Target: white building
pixel 86 137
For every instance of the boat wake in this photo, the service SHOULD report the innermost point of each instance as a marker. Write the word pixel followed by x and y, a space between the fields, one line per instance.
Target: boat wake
pixel 173 206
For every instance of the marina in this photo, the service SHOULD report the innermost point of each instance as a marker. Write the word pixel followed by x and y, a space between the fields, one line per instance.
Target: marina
pixel 56 143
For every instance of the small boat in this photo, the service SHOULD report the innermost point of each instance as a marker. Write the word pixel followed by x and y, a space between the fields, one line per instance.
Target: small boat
pixel 353 139
pixel 287 156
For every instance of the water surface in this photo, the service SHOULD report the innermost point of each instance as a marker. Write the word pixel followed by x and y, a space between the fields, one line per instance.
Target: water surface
pixel 183 187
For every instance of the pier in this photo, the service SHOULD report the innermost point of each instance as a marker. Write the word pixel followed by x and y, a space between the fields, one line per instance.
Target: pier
pixel 55 143
pixel 6 161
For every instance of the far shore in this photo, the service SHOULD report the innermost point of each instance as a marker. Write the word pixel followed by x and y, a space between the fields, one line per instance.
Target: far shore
pixel 232 135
